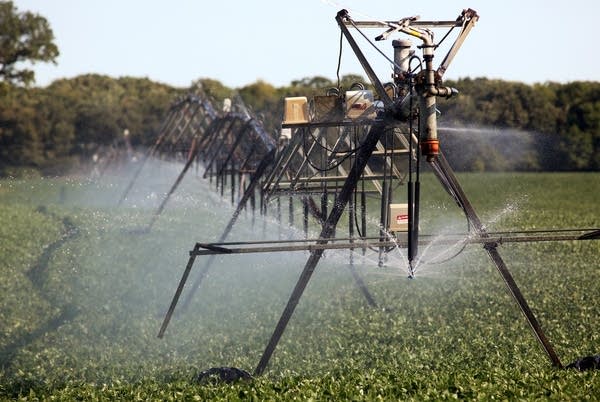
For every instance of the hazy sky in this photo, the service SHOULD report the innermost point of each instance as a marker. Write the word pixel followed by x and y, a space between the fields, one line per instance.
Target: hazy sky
pixel 240 41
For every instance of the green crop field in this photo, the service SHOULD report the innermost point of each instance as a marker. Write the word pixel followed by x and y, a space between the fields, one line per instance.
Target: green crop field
pixel 83 294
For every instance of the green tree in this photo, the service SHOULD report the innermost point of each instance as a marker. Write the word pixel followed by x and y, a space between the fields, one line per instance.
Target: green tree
pixel 213 89
pixel 260 95
pixel 317 82
pixel 24 37
pixel 348 80
pixel 579 124
pixel 20 142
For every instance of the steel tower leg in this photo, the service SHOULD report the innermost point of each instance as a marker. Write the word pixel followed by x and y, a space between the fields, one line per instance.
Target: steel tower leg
pixel 446 176
pixel 346 192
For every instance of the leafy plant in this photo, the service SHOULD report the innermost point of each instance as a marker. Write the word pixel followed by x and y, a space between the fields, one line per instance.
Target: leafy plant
pixel 84 326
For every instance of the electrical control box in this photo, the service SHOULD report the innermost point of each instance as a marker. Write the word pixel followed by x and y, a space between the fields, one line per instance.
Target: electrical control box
pixel 398 218
pixel 359 104
pixel 295 110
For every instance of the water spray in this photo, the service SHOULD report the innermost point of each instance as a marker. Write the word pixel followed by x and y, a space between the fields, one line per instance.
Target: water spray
pixel 338 142
pixel 180 116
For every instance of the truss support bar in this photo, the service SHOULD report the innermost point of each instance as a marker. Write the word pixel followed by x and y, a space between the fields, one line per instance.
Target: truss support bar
pixel 283 246
pixel 342 19
pixel 423 24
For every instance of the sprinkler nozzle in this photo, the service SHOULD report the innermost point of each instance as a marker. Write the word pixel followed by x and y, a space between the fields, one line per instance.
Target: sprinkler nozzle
pixel 411 270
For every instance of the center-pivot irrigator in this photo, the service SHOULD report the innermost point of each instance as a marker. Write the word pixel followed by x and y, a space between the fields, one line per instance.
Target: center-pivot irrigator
pixel 346 145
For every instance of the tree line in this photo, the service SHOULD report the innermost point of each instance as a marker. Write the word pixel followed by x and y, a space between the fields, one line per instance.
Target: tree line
pixel 557 126
pixel 490 125
pixel 57 128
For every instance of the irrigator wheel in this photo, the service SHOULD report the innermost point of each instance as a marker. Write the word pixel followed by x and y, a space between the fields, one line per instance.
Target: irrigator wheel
pixel 222 374
pixel 586 363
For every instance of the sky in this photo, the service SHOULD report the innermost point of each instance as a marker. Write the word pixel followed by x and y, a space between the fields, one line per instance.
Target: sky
pixel 239 41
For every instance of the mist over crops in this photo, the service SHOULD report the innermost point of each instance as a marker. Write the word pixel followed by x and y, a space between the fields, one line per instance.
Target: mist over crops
pixel 84 293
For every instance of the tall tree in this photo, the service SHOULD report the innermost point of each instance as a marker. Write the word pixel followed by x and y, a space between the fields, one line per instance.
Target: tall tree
pixel 24 37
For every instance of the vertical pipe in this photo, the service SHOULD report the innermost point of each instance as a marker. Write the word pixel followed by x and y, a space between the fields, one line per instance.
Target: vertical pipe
pixel 351 219
pixel 223 180
pixel 240 178
pixel 262 203
pixel 291 211
pixel 402 54
pixel 413 223
pixel 324 201
pixel 217 178
pixel 279 223
pixel 407 83
pixel 428 119
pixel 363 214
pixel 232 178
pixel 265 213
pixel 278 210
pixel 413 194
pixel 253 206
pixel 383 220
pixel 305 217
pixel 335 197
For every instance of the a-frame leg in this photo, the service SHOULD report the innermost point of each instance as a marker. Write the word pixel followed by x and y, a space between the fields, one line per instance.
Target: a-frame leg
pixel 444 173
